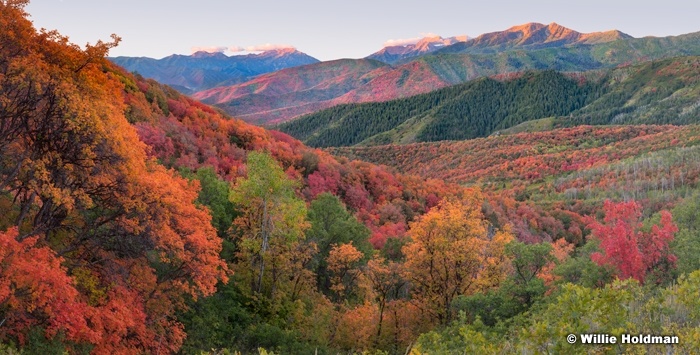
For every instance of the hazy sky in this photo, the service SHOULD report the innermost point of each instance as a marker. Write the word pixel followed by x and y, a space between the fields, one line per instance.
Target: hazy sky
pixel 331 29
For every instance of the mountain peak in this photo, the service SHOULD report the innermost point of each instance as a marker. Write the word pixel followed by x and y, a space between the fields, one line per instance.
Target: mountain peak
pixel 603 37
pixel 438 40
pixel 554 26
pixel 400 51
pixel 205 54
pixel 285 50
pixel 434 38
pixel 283 54
pixel 538 35
pixel 526 28
pixel 533 32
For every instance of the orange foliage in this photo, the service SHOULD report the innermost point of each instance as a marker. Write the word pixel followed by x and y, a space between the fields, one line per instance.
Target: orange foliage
pixel 560 251
pixel 342 263
pixel 82 187
pixel 451 253
pixel 355 327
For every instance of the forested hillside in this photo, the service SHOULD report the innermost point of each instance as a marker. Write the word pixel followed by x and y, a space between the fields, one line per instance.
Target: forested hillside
pixel 136 220
pixel 470 110
pixel 658 92
pixel 555 185
pixel 100 246
pixel 124 204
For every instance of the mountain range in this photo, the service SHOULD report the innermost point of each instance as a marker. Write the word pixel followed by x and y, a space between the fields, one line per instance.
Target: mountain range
pixel 532 36
pixel 203 70
pixel 521 48
pixel 394 72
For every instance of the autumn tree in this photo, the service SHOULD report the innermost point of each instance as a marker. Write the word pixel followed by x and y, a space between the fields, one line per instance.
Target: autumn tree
pixel 119 237
pixel 333 225
pixel 35 290
pixel 453 253
pixel 561 251
pixel 271 225
pixel 343 266
pixel 387 285
pixel 57 109
pixel 626 247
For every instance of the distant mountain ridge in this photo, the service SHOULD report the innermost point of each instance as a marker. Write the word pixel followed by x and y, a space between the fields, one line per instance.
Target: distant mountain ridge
pixel 532 36
pixel 658 92
pixel 203 70
pixel 395 54
pixel 521 48
pixel 526 36
pixel 292 91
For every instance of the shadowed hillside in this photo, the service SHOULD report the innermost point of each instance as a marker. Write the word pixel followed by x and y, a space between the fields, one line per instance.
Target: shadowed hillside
pixel 658 92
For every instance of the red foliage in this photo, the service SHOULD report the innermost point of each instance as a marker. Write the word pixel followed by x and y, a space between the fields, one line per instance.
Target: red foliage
pixel 624 246
pixel 36 291
pixel 159 143
pixel 193 136
pixel 524 156
pixel 386 231
pixel 325 179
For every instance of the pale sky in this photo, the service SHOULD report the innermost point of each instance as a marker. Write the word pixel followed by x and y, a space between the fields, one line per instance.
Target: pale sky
pixel 332 29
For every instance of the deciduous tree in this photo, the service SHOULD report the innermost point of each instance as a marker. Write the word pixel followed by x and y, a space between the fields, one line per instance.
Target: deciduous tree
pixel 271 225
pixel 332 224
pixel 453 253
pixel 631 251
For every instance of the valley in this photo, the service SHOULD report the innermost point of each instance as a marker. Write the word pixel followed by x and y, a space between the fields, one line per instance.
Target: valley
pixel 488 195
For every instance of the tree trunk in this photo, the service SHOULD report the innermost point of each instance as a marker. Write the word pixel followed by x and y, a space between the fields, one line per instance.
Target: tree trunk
pixel 265 236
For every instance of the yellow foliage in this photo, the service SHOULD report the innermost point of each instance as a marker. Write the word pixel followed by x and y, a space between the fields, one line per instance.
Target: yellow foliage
pixel 453 252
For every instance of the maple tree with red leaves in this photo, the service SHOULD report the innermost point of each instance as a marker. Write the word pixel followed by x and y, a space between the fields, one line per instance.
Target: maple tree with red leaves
pixel 624 246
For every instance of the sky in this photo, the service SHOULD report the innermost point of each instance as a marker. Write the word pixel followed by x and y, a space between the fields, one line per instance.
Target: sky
pixel 333 29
